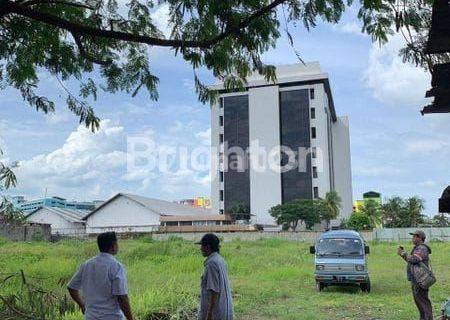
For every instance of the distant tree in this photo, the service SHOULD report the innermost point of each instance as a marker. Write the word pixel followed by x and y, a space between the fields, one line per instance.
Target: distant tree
pixel 401 213
pixel 239 211
pixel 10 214
pixel 359 221
pixel 441 220
pixel 332 205
pixel 371 209
pixel 298 211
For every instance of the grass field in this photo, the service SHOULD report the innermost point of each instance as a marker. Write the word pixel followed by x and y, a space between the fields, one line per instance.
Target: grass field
pixel 271 279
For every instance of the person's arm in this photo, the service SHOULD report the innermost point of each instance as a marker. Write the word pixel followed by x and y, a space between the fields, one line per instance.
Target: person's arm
pixel 75 294
pixel 124 303
pixel 419 254
pixel 119 289
pixel 211 305
pixel 74 287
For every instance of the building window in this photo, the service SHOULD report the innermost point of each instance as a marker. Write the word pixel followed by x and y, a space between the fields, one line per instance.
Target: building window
pixel 314 172
pixel 311 94
pixel 221 176
pixel 221 211
pixel 221 195
pixel 221 121
pixel 313 113
pixel 313 133
pixel 221 138
pixel 314 152
pixel 221 103
pixel 316 192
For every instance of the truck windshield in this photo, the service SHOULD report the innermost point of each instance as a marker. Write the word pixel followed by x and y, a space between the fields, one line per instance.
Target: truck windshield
pixel 340 247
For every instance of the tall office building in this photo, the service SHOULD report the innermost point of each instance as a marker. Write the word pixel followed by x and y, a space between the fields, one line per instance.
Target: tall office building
pixel 274 143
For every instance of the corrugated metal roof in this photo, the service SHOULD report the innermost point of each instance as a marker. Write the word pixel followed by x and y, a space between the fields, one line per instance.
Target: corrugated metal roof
pixel 166 207
pixel 71 215
pixel 161 207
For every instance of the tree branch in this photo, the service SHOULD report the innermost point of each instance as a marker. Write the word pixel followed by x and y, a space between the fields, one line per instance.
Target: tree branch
pixel 86 55
pixel 66 3
pixel 13 7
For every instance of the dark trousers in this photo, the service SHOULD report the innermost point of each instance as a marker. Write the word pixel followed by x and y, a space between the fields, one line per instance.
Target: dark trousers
pixel 423 303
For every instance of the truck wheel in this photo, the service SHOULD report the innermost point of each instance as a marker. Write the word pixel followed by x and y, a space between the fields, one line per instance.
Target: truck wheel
pixel 320 286
pixel 365 287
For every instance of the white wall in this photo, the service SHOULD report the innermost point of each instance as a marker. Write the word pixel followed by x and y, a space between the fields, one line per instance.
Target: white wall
pixel 123 215
pixel 216 111
pixel 342 165
pixel 264 127
pixel 58 223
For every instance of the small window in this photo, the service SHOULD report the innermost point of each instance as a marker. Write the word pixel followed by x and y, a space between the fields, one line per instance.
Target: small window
pixel 221 103
pixel 314 152
pixel 221 176
pixel 313 132
pixel 221 138
pixel 314 172
pixel 221 211
pixel 313 113
pixel 316 192
pixel 221 195
pixel 221 121
pixel 311 94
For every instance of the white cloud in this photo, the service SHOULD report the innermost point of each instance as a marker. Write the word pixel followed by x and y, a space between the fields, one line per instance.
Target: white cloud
pixel 204 136
pixel 393 81
pixel 427 145
pixel 351 28
pixel 368 170
pixel 160 18
pixel 85 161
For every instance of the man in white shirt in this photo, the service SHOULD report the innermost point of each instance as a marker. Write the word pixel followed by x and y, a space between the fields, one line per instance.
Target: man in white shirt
pixel 103 283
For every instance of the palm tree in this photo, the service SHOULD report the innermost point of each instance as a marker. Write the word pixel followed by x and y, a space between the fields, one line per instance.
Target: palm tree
pixel 414 207
pixel 371 209
pixel 332 203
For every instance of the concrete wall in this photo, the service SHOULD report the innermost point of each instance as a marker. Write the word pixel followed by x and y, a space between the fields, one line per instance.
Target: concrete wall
pixel 308 236
pixel 264 127
pixel 342 165
pixel 122 215
pixel 402 234
pixel 25 233
pixel 216 130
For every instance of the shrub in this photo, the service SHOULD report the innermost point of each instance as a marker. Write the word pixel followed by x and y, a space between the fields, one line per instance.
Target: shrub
pixel 359 221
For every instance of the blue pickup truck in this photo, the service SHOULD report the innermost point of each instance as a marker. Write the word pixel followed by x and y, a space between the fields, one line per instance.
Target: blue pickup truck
pixel 340 259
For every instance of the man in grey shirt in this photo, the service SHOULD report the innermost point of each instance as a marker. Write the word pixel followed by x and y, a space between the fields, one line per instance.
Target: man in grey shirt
pixel 103 283
pixel 216 302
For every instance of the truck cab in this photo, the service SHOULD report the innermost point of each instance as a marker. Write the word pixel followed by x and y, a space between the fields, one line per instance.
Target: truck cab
pixel 340 259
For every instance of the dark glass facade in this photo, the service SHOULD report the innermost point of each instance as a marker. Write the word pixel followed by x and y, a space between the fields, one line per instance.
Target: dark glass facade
pixel 295 134
pixel 236 134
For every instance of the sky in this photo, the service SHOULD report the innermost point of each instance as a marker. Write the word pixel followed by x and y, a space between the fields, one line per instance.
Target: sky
pixel 394 149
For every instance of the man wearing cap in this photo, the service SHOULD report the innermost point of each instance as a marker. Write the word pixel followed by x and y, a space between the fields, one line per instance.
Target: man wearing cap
pixel 216 302
pixel 103 282
pixel 420 253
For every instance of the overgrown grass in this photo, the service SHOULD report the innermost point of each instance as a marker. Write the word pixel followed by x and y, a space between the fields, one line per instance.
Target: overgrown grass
pixel 271 279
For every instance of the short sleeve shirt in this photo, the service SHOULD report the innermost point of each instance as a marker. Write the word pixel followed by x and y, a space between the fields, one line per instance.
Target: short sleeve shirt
pixel 101 279
pixel 215 278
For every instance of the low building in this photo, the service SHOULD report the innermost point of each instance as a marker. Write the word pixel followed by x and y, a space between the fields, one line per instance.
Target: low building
pixel 201 223
pixel 63 221
pixel 57 202
pixel 129 213
pixel 371 195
